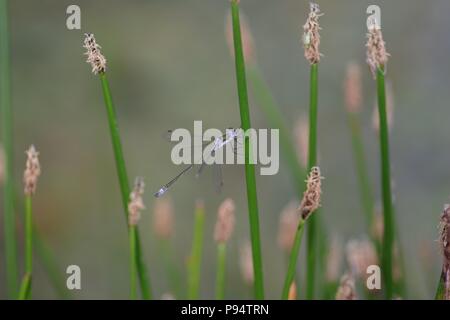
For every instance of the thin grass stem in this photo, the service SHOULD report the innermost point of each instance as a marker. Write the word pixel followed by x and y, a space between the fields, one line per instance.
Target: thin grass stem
pixel 290 275
pixel 388 238
pixel 195 259
pixel 312 161
pixel 133 259
pixel 249 168
pixel 7 136
pixel 221 267
pixel 124 182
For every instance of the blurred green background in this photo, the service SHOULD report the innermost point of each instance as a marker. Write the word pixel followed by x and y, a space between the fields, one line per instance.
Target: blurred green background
pixel 168 65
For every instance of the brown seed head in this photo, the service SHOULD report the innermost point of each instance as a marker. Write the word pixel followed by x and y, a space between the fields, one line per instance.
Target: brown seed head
pixel 346 289
pixel 94 55
pixel 444 228
pixel 136 204
pixel 163 218
pixel 377 57
pixel 360 255
pixel 288 226
pixel 225 221
pixel 353 90
pixel 246 263
pixel 32 171
pixel 311 197
pixel 248 47
pixel 311 36
pixel 301 140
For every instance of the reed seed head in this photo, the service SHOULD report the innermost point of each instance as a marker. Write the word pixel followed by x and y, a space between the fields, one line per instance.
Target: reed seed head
pixel 288 226
pixel 32 171
pixel 225 221
pixel 246 263
pixel 312 195
pixel 94 56
pixel 346 289
pixel 163 219
pixel 292 291
pixel 136 204
pixel 377 57
pixel 248 46
pixel 360 255
pixel 353 90
pixel 311 36
pixel 301 134
pixel 444 237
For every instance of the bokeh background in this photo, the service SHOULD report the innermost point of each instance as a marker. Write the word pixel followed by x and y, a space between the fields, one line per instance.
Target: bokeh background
pixel 168 65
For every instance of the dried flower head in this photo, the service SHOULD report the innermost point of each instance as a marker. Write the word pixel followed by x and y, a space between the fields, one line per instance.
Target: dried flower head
pixel 246 263
pixel 389 109
pixel 311 197
pixel 301 134
pixel 32 171
pixel 2 165
pixel 360 255
pixel 445 246
pixel 353 90
pixel 311 36
pixel 346 289
pixel 292 291
pixel 377 57
pixel 334 260
pixel 248 47
pixel 136 203
pixel 163 218
pixel 377 226
pixel 288 226
pixel 94 55
pixel 225 221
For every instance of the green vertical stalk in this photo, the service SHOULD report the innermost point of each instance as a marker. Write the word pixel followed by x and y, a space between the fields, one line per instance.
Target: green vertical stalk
pixel 195 259
pixel 133 266
pixel 249 168
pixel 171 268
pixel 388 239
pixel 365 189
pixel 123 182
pixel 221 266
pixel 290 275
pixel 440 291
pixel 312 161
pixel 53 270
pixel 25 288
pixel 7 132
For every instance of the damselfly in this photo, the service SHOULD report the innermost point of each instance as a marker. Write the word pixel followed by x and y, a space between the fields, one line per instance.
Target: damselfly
pixel 231 136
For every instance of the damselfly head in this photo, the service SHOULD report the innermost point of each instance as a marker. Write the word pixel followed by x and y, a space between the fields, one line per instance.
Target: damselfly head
pixel 160 192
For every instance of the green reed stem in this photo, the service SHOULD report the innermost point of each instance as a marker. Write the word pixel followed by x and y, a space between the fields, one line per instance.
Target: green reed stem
pixel 249 168
pixel 290 275
pixel 440 291
pixel 365 188
pixel 388 239
pixel 312 161
pixel 273 115
pixel 25 287
pixel 195 259
pixel 133 259
pixel 7 137
pixel 124 182
pixel 52 269
pixel 221 267
pixel 171 268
